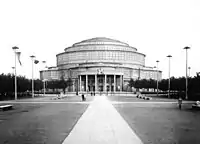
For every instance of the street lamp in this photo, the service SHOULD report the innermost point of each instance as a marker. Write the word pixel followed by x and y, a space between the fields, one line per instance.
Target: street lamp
pixel 32 58
pixel 44 62
pixel 169 56
pixel 157 75
pixel 44 83
pixel 13 70
pixel 15 51
pixel 186 82
pixel 189 70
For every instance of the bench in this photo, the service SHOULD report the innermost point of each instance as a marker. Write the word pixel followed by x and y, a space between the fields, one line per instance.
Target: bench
pixel 194 106
pixel 6 107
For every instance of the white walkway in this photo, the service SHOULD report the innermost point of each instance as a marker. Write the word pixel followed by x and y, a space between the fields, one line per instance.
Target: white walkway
pixel 101 124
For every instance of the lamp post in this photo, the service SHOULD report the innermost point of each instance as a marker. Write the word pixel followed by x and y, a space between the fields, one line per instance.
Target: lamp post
pixel 44 62
pixel 32 58
pixel 44 86
pixel 13 70
pixel 15 51
pixel 157 76
pixel 189 70
pixel 169 56
pixel 186 82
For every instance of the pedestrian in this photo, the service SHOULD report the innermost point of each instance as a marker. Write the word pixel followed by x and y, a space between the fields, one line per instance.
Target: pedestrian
pixel 180 102
pixel 83 97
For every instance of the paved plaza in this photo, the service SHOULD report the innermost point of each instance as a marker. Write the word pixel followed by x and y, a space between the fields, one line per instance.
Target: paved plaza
pixel 99 120
pixel 159 121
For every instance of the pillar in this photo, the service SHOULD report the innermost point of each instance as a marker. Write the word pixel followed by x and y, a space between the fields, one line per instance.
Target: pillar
pixel 114 83
pixel 95 83
pixel 80 83
pixel 120 83
pixel 86 83
pixel 73 86
pixel 105 83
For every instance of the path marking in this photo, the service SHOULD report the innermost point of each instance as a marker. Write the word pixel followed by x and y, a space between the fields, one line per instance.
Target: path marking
pixel 101 124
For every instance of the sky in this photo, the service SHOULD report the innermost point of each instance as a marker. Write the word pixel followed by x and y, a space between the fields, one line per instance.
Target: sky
pixel 45 28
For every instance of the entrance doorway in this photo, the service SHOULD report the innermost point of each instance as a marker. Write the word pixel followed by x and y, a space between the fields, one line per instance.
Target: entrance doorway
pixel 100 83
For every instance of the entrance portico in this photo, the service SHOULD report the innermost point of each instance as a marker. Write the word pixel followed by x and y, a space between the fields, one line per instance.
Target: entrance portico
pixel 100 82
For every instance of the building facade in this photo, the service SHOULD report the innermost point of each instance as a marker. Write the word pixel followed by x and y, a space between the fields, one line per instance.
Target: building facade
pixel 100 65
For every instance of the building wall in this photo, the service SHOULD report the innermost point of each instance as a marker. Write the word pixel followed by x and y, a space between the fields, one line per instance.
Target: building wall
pixel 50 75
pixel 127 73
pixel 101 56
pixel 114 57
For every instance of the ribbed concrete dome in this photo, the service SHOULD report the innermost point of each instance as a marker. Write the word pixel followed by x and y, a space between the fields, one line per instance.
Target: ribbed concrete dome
pixel 100 40
pixel 100 43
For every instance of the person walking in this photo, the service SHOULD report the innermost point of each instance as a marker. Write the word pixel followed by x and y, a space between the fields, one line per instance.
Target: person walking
pixel 180 102
pixel 83 97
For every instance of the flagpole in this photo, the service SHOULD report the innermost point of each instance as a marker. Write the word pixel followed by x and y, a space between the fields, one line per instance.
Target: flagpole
pixel 15 49
pixel 32 57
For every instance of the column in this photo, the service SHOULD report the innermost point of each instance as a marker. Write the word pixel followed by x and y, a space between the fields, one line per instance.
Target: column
pixel 73 86
pixel 105 83
pixel 86 83
pixel 120 83
pixel 95 83
pixel 114 83
pixel 80 83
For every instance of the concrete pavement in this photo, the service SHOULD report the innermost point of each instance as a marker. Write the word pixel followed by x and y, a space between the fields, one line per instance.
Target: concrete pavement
pixel 52 121
pixel 39 123
pixel 101 124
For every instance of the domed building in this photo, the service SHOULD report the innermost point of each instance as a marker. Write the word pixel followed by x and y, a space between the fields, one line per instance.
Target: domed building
pixel 100 65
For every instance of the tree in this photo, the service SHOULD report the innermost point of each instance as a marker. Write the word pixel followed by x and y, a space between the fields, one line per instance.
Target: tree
pixel 54 84
pixel 69 82
pixel 163 85
pixel 23 84
pixel 7 85
pixel 143 83
pixel 152 84
pixel 131 83
pixel 38 84
pixel 62 84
